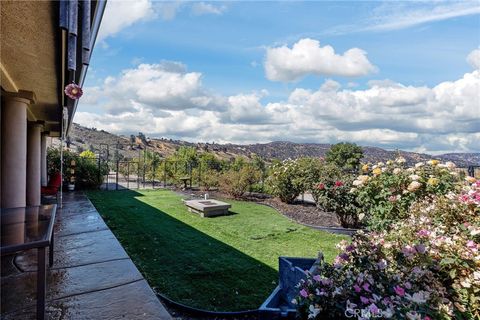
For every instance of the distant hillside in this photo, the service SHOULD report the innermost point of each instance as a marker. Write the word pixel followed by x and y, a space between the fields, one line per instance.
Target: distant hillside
pixel 82 138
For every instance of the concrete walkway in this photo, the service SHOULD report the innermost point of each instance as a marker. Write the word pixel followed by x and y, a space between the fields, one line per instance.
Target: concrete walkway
pixel 92 276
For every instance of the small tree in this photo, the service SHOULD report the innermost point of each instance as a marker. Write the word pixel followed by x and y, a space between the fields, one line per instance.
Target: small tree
pixel 132 140
pixel 345 155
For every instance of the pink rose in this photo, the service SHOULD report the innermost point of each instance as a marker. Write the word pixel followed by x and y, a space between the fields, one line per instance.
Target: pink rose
pixel 320 186
pixel 399 291
pixel 420 248
pixel 366 287
pixel 364 300
pixel 304 293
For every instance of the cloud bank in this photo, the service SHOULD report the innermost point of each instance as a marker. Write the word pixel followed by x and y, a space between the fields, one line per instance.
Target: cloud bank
pixel 166 99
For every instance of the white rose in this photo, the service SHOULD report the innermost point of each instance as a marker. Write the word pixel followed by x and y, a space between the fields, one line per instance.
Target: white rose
pixel 450 165
pixel 357 183
pixel 414 177
pixel 414 185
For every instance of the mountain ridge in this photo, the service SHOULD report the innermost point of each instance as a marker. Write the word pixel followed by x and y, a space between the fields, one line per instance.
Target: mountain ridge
pixel 83 138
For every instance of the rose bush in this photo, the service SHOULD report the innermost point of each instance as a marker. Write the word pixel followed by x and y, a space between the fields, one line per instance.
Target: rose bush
pixel 426 266
pixel 289 178
pixel 332 194
pixel 386 191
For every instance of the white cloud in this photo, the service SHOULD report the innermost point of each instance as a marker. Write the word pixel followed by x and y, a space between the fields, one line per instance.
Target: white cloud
pixel 308 57
pixel 201 8
pixel 167 10
pixel 165 99
pixel 474 58
pixel 397 15
pixel 163 86
pixel 120 14
pixel 400 15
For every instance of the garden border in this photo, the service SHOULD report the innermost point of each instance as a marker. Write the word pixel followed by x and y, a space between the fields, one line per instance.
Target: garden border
pixel 335 230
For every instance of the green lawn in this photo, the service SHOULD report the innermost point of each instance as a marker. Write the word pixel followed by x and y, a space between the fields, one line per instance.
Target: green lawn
pixel 225 263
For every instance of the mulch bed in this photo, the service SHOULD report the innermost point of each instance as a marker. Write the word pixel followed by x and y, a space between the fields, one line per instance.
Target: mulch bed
pixel 301 212
pixel 305 213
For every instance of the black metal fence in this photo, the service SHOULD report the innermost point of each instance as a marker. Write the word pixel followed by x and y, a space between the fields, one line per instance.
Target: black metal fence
pixel 138 174
pixel 149 170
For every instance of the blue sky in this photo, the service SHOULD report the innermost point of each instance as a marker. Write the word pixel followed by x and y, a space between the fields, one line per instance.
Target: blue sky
pixel 390 74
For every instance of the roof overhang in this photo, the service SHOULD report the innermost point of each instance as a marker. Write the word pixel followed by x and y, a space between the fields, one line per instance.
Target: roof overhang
pixel 33 54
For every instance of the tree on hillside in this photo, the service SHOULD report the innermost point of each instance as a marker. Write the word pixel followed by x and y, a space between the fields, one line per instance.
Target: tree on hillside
pixel 208 161
pixel 132 140
pixel 346 155
pixel 143 138
pixel 186 154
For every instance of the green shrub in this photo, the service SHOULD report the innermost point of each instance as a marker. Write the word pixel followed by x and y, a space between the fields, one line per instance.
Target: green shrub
pixel 236 182
pixel 345 155
pixel 210 179
pixel 88 172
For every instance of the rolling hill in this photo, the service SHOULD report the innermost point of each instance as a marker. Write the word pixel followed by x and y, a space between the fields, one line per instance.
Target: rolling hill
pixel 82 138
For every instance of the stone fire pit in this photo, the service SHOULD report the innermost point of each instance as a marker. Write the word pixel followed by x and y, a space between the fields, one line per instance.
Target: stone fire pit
pixel 208 208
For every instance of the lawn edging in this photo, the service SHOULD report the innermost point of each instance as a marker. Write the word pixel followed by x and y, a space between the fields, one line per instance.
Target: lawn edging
pixel 206 313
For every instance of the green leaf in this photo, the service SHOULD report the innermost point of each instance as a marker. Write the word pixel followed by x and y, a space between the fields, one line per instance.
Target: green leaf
pixel 446 261
pixel 453 273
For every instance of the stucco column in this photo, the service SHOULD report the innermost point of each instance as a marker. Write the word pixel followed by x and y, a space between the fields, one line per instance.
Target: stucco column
pixel 43 159
pixel 34 132
pixel 14 151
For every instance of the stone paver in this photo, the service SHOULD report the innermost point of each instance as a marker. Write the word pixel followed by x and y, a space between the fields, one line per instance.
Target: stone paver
pixel 92 276
pixel 79 249
pixel 79 223
pixel 131 301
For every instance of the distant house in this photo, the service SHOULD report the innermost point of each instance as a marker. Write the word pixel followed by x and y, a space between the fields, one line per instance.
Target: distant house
pixel 45 45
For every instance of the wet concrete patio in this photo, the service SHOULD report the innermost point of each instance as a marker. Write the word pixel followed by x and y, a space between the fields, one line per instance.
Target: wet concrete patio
pixel 92 276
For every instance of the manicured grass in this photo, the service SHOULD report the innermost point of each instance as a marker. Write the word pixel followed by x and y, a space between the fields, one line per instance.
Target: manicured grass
pixel 224 263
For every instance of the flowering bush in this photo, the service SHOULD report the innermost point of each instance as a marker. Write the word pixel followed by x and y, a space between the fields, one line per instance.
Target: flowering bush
pixel 386 191
pixel 289 178
pixel 332 194
pixel 426 266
